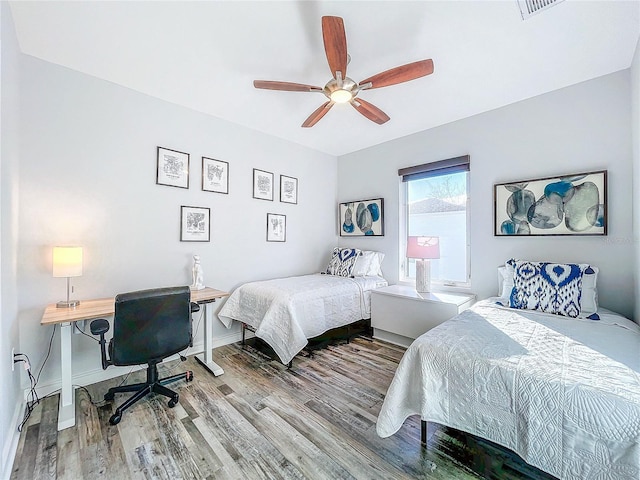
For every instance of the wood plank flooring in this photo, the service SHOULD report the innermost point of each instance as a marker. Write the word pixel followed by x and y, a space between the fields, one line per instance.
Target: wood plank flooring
pixel 257 421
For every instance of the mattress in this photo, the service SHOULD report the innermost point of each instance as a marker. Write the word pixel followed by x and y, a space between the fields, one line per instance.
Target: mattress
pixel 285 312
pixel 562 393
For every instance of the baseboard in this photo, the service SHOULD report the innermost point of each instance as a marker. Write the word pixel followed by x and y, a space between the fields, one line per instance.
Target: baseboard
pixel 12 438
pixel 391 337
pixel 98 375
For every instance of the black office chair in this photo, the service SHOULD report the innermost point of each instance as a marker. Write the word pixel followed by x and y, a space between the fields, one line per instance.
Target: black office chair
pixel 148 326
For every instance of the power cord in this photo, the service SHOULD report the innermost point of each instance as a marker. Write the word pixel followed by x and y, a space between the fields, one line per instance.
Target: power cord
pixel 182 354
pixel 75 324
pixel 32 396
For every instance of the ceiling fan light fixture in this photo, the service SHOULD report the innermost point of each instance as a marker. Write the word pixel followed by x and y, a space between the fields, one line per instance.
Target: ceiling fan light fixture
pixel 341 96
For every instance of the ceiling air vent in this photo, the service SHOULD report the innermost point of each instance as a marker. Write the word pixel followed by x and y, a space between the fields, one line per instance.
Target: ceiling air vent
pixel 531 7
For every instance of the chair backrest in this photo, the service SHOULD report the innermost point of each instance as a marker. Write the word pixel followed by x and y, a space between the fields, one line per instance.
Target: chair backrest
pixel 150 325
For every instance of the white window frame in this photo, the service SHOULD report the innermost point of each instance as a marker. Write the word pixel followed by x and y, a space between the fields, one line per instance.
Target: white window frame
pixel 462 286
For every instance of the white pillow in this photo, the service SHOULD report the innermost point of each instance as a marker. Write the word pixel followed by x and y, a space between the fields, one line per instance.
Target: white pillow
pixel 375 268
pixel 368 263
pixel 588 298
pixel 363 262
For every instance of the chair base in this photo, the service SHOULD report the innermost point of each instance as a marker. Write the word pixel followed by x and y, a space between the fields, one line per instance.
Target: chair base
pixel 152 385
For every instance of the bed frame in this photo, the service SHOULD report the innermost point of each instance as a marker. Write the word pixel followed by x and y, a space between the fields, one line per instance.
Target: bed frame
pixel 360 328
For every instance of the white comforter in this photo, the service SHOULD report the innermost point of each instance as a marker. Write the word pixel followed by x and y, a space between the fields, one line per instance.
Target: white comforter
pixel 286 311
pixel 562 393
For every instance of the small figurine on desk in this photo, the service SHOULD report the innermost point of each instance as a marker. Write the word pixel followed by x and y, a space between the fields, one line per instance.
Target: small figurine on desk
pixel 198 275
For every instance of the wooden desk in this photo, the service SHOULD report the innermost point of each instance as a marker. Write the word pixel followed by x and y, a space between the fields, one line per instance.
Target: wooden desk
pixel 105 307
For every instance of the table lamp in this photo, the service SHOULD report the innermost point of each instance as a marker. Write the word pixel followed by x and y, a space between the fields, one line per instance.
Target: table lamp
pixel 67 262
pixel 423 249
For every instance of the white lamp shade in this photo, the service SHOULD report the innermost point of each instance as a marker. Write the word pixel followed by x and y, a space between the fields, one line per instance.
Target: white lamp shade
pixel 423 247
pixel 67 261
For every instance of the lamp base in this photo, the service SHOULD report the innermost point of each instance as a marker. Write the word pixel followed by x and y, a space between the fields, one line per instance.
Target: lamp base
pixel 423 276
pixel 68 303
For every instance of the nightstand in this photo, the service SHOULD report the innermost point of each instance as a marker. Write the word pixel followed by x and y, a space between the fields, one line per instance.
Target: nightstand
pixel 399 314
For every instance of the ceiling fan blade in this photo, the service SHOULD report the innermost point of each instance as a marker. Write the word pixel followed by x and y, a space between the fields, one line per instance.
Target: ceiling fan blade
pixel 370 111
pixel 320 112
pixel 335 45
pixel 287 86
pixel 404 73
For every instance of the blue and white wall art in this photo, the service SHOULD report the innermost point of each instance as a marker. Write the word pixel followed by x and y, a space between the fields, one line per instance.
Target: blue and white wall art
pixel 362 218
pixel 570 205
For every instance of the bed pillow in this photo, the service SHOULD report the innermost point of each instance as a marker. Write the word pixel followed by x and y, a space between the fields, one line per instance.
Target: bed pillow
pixel 342 261
pixel 368 263
pixel 363 262
pixel 561 289
pixel 588 299
pixel 375 267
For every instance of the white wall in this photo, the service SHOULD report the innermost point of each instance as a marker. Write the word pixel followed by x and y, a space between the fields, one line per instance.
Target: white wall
pixel 87 177
pixel 635 132
pixel 11 396
pixel 581 128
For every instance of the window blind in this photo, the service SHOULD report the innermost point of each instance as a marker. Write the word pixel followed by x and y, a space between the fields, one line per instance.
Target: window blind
pixel 434 169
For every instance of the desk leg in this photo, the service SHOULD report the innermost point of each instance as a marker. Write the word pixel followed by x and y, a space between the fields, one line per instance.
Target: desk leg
pixel 206 358
pixel 67 408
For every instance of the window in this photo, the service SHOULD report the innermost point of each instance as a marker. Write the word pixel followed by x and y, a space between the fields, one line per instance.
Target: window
pixel 436 205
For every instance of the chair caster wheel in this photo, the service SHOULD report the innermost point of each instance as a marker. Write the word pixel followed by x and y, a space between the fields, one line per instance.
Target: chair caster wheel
pixel 115 419
pixel 189 376
pixel 173 402
pixel 108 397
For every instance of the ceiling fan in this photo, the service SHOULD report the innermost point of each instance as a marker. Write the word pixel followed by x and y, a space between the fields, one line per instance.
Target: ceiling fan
pixel 342 89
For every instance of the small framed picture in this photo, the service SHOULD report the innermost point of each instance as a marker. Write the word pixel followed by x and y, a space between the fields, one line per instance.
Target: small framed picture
pixel 262 185
pixel 288 189
pixel 276 227
pixel 195 224
pixel 215 175
pixel 362 218
pixel 172 168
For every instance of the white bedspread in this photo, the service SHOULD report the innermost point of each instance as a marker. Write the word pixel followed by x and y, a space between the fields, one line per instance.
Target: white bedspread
pixel 285 312
pixel 562 393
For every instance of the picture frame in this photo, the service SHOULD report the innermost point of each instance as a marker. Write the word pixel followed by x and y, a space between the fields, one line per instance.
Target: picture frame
pixel 262 185
pixel 288 189
pixel 276 227
pixel 574 204
pixel 172 168
pixel 195 224
pixel 215 175
pixel 361 218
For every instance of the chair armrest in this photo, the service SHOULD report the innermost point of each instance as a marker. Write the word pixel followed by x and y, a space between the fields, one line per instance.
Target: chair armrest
pixel 99 326
pixel 195 307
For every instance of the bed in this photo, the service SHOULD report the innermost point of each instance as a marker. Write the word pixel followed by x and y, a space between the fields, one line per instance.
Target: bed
pixel 562 392
pixel 287 312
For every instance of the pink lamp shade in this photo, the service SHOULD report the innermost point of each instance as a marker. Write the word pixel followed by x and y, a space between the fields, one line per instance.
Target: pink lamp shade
pixel 423 247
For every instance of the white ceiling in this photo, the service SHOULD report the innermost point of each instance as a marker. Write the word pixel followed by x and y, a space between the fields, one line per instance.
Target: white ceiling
pixel 205 55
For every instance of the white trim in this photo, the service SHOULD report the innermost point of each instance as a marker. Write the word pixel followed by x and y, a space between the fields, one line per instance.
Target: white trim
pixel 98 375
pixel 391 337
pixel 11 441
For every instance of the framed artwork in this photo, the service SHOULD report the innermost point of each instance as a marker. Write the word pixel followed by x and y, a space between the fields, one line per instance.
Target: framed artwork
pixel 262 185
pixel 195 224
pixel 362 218
pixel 172 168
pixel 569 205
pixel 215 175
pixel 288 189
pixel 276 227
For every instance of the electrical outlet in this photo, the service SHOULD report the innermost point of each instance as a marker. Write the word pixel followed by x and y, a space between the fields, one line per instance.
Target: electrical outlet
pixel 13 360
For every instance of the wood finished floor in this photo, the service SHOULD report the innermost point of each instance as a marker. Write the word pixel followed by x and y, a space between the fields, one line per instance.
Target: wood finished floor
pixel 257 421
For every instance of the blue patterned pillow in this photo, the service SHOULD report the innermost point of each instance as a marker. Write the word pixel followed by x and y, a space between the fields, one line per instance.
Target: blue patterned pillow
pixel 548 287
pixel 342 261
